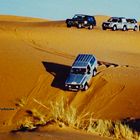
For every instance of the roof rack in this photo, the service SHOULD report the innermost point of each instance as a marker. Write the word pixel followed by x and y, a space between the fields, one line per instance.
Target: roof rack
pixel 83 60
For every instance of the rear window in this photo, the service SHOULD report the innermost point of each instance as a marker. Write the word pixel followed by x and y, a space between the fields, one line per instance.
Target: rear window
pixel 131 21
pixel 90 19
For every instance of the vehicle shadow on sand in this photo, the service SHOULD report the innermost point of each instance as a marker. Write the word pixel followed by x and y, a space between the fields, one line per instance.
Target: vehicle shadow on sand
pixel 60 73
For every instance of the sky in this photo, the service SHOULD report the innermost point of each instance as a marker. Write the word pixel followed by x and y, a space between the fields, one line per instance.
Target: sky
pixel 62 9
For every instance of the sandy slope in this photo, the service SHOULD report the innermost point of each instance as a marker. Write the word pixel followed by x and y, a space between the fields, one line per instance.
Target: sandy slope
pixel 35 59
pixel 19 19
pixel 52 134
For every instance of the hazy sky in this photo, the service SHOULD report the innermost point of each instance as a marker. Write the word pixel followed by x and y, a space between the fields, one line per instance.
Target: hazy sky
pixel 61 9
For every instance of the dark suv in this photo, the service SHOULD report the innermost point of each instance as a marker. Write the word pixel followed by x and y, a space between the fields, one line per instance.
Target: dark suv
pixel 81 21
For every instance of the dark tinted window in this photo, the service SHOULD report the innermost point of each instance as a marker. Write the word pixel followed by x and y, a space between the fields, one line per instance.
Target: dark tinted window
pixel 90 19
pixel 131 21
pixel 119 20
pixel 113 20
pixel 78 17
pixel 78 70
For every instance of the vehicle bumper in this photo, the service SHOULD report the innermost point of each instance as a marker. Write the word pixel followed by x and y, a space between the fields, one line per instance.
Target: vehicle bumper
pixel 73 87
pixel 76 23
pixel 107 26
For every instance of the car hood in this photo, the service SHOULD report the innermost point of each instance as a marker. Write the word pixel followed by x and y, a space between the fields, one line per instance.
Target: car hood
pixel 76 19
pixel 75 79
pixel 106 22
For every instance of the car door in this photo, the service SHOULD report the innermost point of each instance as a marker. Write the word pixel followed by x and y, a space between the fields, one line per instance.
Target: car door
pixel 132 24
pixel 129 26
pixel 120 24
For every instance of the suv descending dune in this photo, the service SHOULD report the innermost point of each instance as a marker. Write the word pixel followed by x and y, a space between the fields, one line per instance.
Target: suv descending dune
pixel 120 23
pixel 82 70
pixel 81 21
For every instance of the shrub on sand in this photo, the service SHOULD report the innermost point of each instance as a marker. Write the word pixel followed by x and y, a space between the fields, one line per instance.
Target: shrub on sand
pixel 66 115
pixel 21 102
pixel 63 113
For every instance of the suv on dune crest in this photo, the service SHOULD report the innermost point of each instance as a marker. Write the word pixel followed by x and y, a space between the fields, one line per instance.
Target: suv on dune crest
pixel 82 70
pixel 81 21
pixel 132 24
pixel 120 23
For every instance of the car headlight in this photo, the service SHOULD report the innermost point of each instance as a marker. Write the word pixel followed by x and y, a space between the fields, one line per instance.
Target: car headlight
pixel 85 22
pixel 69 86
pixel 76 86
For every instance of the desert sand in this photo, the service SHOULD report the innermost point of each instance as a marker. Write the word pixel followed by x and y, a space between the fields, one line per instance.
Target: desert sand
pixel 35 58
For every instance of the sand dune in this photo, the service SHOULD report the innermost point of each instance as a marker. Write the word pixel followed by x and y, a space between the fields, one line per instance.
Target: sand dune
pixel 11 18
pixel 35 58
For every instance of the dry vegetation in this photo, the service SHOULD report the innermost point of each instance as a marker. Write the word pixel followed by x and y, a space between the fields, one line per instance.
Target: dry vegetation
pixel 63 115
pixel 21 102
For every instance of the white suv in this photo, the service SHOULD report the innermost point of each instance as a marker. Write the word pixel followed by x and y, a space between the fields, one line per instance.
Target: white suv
pixel 82 70
pixel 120 23
pixel 132 24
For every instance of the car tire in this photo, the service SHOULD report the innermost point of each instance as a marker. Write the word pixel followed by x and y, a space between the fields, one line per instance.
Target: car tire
pixel 103 28
pixel 79 26
pixel 124 28
pixel 135 28
pixel 90 27
pixel 68 25
pixel 94 72
pixel 114 28
pixel 86 86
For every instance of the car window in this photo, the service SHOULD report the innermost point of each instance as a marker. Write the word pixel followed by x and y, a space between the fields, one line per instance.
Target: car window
pixel 119 20
pixel 131 21
pixel 92 61
pixel 77 17
pixel 90 19
pixel 128 20
pixel 113 20
pixel 134 21
pixel 78 70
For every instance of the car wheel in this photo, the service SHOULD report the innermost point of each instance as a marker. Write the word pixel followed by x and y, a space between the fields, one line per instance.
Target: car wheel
pixel 86 87
pixel 79 26
pixel 103 28
pixel 114 28
pixel 94 72
pixel 90 27
pixel 124 28
pixel 68 25
pixel 135 28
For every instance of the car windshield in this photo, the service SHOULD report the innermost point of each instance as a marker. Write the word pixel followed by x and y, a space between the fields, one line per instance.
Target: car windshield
pixel 78 70
pixel 113 20
pixel 78 17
